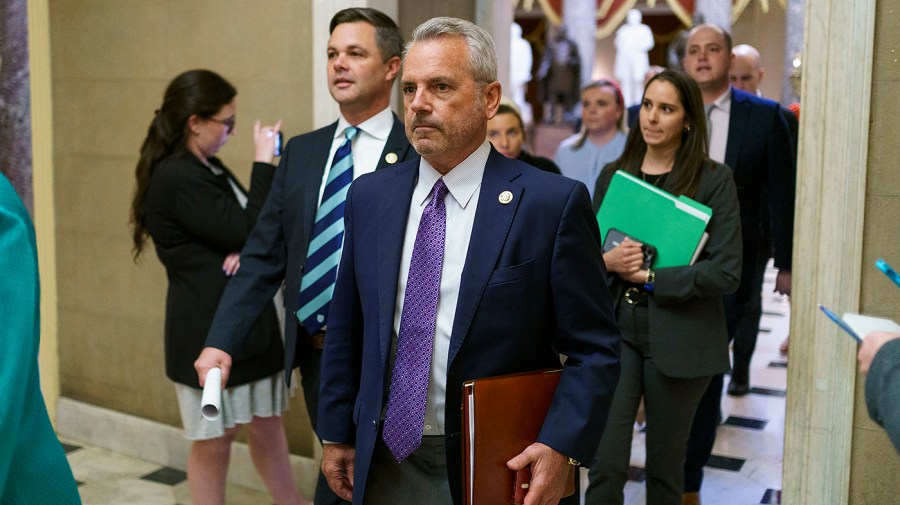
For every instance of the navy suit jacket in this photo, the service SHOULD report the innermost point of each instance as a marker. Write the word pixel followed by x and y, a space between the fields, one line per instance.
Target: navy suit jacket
pixel 760 153
pixel 533 286
pixel 276 248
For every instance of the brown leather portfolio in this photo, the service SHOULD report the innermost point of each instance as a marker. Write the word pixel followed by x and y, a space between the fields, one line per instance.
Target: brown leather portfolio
pixel 501 417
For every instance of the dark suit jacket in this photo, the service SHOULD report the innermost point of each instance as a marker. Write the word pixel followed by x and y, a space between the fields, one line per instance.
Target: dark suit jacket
pixel 760 154
pixel 532 287
pixel 687 317
pixel 195 221
pixel 276 249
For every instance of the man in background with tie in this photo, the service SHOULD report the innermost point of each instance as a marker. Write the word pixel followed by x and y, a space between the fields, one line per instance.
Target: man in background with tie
pixel 460 265
pixel 298 237
pixel 749 134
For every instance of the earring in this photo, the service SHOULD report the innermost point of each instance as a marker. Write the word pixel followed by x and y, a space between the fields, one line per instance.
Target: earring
pixel 687 129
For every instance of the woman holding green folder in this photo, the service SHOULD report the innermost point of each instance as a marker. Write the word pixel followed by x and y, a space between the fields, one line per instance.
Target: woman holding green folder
pixel 672 319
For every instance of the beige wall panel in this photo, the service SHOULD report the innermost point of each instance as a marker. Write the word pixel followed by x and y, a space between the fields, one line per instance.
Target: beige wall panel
pixel 90 198
pixel 414 12
pixel 875 470
pixel 879 295
pixel 874 462
pixel 765 32
pixel 111 61
pixel 104 39
pixel 103 117
pixel 883 148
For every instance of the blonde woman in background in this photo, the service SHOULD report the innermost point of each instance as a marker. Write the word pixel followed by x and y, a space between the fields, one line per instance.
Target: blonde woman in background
pixel 602 136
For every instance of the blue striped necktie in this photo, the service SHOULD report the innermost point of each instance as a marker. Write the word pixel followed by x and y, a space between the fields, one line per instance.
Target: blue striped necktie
pixel 324 250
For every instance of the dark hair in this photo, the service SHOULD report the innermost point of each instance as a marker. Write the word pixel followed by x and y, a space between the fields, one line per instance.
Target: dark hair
pixel 620 101
pixel 505 108
pixel 196 92
pixel 692 153
pixel 387 34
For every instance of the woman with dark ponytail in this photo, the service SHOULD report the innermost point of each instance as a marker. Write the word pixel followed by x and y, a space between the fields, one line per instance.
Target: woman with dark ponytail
pixel 199 216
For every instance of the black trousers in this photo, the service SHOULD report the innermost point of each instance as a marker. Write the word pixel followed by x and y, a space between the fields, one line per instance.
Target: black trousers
pixel 743 310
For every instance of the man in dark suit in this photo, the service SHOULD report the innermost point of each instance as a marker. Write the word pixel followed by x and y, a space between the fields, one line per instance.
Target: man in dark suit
pixel 746 74
pixel 483 266
pixel 363 60
pixel 749 135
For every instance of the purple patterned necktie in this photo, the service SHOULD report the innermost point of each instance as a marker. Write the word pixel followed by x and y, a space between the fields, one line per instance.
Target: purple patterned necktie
pixel 405 412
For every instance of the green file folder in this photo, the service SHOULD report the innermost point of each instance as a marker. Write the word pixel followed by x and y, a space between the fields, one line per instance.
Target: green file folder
pixel 674 225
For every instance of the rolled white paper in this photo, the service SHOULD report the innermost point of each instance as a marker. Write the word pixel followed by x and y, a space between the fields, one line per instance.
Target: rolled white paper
pixel 211 401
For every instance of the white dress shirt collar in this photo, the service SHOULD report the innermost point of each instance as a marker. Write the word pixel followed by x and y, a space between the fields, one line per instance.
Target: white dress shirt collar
pixel 378 126
pixel 724 100
pixel 719 116
pixel 461 181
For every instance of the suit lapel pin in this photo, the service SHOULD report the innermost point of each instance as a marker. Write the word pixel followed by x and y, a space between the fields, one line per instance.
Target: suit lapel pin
pixel 505 197
pixel 390 158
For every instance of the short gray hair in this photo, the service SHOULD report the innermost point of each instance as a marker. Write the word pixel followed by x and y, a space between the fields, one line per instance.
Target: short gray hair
pixel 482 54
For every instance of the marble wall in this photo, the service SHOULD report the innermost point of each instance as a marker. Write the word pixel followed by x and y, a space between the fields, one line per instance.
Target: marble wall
pixel 15 112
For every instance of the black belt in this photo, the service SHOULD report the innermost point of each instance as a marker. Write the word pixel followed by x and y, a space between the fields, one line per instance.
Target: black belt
pixel 635 296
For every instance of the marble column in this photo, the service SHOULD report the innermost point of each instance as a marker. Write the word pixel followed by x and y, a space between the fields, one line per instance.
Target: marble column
pixel 15 112
pixel 714 11
pixel 580 17
pixel 496 16
pixel 793 46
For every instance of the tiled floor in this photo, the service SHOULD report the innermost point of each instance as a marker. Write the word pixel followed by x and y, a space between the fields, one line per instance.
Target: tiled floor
pixel 745 469
pixel 107 478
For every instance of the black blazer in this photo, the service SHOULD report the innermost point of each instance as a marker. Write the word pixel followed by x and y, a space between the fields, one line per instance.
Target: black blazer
pixel 538 162
pixel 687 316
pixel 276 249
pixel 195 221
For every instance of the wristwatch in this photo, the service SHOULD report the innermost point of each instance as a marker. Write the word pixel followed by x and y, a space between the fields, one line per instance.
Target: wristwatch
pixel 651 278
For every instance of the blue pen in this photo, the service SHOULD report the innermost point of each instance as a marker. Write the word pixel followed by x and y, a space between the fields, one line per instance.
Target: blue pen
pixel 890 272
pixel 840 322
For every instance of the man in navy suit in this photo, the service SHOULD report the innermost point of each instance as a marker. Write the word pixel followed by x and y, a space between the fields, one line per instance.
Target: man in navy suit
pixel 519 280
pixel 363 60
pixel 749 134
pixel 746 74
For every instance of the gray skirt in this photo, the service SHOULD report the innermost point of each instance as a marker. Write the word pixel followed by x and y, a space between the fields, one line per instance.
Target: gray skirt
pixel 266 397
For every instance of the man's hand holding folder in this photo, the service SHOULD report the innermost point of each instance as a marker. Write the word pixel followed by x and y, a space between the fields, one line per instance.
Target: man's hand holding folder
pixel 549 473
pixel 502 417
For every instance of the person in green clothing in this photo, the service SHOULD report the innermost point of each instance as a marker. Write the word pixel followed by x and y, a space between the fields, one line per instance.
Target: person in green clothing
pixel 33 466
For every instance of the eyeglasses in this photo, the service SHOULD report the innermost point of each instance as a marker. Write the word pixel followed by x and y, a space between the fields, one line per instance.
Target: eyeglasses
pixel 227 123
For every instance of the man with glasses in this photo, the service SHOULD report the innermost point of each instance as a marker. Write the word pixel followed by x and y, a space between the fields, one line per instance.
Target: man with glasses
pixel 298 237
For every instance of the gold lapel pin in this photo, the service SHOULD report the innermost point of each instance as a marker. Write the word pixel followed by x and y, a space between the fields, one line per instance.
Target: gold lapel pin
pixel 505 197
pixel 390 158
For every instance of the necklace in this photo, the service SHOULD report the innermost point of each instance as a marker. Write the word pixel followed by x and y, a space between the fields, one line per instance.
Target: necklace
pixel 655 179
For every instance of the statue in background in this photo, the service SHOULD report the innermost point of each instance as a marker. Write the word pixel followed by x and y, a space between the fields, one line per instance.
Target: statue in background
pixel 633 40
pixel 560 75
pixel 520 62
